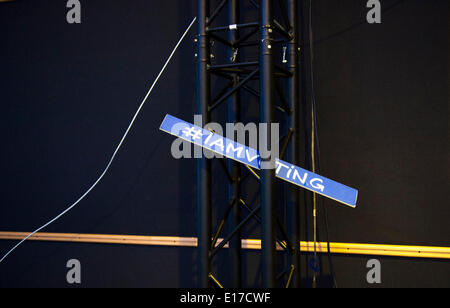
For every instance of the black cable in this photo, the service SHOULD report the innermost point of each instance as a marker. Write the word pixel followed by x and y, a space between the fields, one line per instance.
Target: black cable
pixel 316 133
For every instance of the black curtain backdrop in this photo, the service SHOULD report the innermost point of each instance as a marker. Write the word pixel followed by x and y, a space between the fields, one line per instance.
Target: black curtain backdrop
pixel 68 92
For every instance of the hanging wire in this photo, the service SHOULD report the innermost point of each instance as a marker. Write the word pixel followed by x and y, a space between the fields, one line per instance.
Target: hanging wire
pixel 115 152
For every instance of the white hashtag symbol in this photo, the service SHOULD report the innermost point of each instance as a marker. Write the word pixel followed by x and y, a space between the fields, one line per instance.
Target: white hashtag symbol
pixel 193 133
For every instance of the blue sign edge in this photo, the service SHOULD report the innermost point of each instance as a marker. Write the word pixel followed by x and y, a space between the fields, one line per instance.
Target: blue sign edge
pixel 352 205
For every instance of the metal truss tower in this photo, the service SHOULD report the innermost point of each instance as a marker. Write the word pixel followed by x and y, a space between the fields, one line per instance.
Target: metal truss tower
pixel 274 41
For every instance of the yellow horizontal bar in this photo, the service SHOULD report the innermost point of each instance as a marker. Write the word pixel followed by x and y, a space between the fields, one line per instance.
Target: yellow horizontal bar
pixel 252 244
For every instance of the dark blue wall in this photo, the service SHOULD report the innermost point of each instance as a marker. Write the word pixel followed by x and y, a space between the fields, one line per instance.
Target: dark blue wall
pixel 68 93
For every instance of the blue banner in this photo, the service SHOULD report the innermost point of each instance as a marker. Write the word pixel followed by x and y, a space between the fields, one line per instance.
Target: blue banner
pixel 316 183
pixel 250 157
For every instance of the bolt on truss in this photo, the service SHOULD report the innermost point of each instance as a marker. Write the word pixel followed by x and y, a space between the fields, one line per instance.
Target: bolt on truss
pixel 262 37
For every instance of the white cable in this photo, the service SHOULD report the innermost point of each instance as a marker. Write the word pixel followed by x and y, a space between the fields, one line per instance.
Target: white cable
pixel 115 152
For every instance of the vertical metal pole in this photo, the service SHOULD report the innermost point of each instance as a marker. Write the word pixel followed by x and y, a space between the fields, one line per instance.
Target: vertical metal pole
pixel 266 116
pixel 234 189
pixel 304 118
pixel 203 85
pixel 293 193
